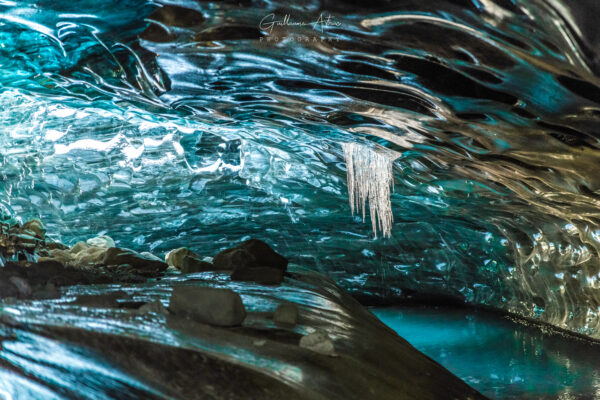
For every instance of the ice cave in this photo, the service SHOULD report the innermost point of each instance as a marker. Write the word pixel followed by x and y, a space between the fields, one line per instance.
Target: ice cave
pixel 313 199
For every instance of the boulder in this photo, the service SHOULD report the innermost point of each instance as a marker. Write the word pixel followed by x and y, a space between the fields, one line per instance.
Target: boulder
pixel 48 291
pixel 56 246
pixel 219 307
pixel 89 256
pixel 7 289
pixel 64 257
pixel 35 228
pixel 105 300
pixel 78 247
pixel 192 264
pixel 231 259
pixel 286 314
pixel 261 275
pixel 251 253
pixel 149 255
pixel 117 256
pixel 101 241
pixel 175 257
pixel 264 255
pixel 155 306
pixel 22 286
pixel 318 342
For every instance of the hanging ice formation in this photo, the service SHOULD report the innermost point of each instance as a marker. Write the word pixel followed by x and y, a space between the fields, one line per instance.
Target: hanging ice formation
pixel 370 178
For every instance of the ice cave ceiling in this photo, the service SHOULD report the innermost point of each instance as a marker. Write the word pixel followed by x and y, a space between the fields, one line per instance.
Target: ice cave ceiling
pixel 178 123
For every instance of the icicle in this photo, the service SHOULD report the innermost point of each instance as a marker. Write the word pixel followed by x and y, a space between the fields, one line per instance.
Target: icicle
pixel 369 172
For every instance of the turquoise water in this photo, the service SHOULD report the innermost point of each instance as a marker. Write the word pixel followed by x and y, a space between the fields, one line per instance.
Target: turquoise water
pixel 501 358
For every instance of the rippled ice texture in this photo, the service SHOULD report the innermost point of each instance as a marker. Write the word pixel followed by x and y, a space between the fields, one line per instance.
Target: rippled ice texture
pixel 200 133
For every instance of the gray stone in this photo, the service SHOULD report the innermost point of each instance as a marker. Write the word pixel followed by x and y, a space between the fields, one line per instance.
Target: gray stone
pixel 192 264
pixel 78 247
pixel 22 286
pixel 117 256
pixel 219 307
pixel 105 300
pixel 89 256
pixel 35 228
pixel 286 314
pixel 175 257
pixel 251 253
pixel 101 241
pixel 155 306
pixel 318 342
pixel 231 259
pixel 261 275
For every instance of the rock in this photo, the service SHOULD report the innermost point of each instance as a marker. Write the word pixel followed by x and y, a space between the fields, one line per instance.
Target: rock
pixel 233 258
pixel 62 256
pixel 56 246
pixel 318 342
pixel 261 275
pixel 117 256
pixel 101 241
pixel 49 291
pixel 264 254
pixel 22 286
pixel 286 314
pixel 175 257
pixel 43 271
pixel 78 247
pixel 89 256
pixel 7 289
pixel 105 300
pixel 155 306
pixel 251 253
pixel 35 228
pixel 192 264
pixel 219 307
pixel 150 256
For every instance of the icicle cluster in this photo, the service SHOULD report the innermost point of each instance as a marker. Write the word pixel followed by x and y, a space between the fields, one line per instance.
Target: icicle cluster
pixel 369 172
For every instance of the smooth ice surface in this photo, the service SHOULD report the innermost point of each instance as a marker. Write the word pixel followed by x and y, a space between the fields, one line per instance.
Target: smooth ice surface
pixel 185 123
pixel 500 358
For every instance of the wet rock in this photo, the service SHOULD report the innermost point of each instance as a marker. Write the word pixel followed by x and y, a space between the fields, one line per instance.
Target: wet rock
pixel 35 228
pixel 105 300
pixel 192 264
pixel 117 256
pixel 175 257
pixel 233 258
pixel 49 291
pixel 155 306
pixel 286 314
pixel 7 289
pixel 56 246
pixel 89 256
pixel 44 271
pixel 219 307
pixel 101 241
pixel 150 256
pixel 22 286
pixel 64 257
pixel 264 255
pixel 318 342
pixel 251 253
pixel 260 275
pixel 78 247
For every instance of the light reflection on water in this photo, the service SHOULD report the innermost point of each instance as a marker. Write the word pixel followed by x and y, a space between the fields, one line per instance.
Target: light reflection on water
pixel 501 358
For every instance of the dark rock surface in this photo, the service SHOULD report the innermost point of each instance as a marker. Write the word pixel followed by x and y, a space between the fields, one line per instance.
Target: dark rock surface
pixel 251 253
pixel 219 307
pixel 261 275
